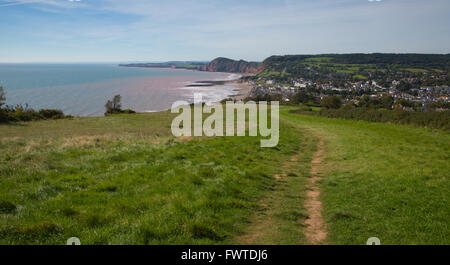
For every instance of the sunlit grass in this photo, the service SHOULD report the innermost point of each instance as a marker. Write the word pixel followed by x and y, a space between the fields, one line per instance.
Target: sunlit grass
pixel 125 180
pixel 383 180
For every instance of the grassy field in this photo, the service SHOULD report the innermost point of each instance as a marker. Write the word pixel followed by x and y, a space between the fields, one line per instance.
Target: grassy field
pixel 125 180
pixel 280 217
pixel 383 180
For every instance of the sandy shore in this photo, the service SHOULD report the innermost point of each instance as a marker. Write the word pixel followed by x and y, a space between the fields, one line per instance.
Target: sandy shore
pixel 244 89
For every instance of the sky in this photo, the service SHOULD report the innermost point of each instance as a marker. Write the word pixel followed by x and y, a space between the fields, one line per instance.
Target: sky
pixel 156 30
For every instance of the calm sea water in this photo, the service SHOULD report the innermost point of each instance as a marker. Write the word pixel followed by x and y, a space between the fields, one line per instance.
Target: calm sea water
pixel 83 89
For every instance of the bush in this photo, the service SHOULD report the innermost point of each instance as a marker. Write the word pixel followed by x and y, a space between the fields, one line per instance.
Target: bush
pixel 24 113
pixel 7 207
pixel 439 105
pixel 51 114
pixel 331 102
pixel 128 111
pixel 431 119
pixel 303 97
pixel 265 97
pixel 305 108
pixel 21 113
pixel 4 117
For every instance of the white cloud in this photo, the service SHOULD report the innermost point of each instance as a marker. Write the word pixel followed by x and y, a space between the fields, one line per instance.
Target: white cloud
pixel 55 3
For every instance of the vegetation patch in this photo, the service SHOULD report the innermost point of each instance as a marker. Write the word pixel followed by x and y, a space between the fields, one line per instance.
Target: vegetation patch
pixel 136 185
pixel 7 207
pixel 382 180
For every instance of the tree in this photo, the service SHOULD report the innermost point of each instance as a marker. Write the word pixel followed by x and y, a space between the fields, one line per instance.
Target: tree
pixel 2 97
pixel 387 101
pixel 364 101
pixel 405 103
pixel 439 105
pixel 404 86
pixel 331 102
pixel 117 102
pixel 3 114
pixel 114 106
pixel 301 97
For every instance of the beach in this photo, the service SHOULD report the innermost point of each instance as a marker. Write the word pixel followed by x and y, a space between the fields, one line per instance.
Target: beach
pixel 240 89
pixel 243 89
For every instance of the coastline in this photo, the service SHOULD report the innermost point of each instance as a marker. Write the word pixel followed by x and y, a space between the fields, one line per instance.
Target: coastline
pixel 82 89
pixel 243 89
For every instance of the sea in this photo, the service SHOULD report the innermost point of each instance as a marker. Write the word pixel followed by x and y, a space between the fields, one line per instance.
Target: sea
pixel 83 89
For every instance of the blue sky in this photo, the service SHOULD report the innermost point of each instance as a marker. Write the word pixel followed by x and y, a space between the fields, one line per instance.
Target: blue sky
pixel 148 30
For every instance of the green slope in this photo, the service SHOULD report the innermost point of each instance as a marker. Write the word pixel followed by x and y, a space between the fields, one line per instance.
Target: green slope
pixel 125 179
pixel 383 180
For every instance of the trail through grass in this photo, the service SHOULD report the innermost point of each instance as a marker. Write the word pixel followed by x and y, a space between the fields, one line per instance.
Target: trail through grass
pixel 382 180
pixel 125 180
pixel 280 217
pixel 316 229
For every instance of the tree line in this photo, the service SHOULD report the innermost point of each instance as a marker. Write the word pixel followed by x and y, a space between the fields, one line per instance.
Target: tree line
pixel 25 113
pixel 385 109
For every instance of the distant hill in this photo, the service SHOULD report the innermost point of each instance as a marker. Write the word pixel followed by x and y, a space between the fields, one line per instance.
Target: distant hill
pixel 192 65
pixel 217 65
pixel 292 63
pixel 231 66
pixel 309 66
pixel 406 59
pixel 383 67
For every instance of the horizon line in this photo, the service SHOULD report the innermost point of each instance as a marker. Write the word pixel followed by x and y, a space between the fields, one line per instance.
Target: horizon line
pixel 193 60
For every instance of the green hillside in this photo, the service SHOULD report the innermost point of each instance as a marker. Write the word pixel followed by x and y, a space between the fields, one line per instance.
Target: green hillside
pixel 124 179
pixel 357 67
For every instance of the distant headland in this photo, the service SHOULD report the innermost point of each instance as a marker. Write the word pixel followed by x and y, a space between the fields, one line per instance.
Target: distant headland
pixel 220 64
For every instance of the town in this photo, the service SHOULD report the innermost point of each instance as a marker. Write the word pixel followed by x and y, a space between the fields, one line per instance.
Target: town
pixel 352 91
pixel 423 88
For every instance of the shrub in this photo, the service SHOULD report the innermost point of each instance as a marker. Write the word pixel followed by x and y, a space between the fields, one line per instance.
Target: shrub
pixel 51 114
pixel 7 207
pixel 24 113
pixel 331 102
pixel 128 111
pixel 430 119
pixel 4 117
pixel 20 113
pixel 439 105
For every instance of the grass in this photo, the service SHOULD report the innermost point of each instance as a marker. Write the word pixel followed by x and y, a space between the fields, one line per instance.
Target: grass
pixel 125 180
pixel 280 216
pixel 415 70
pixel 360 77
pixel 319 59
pixel 359 71
pixel 383 180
